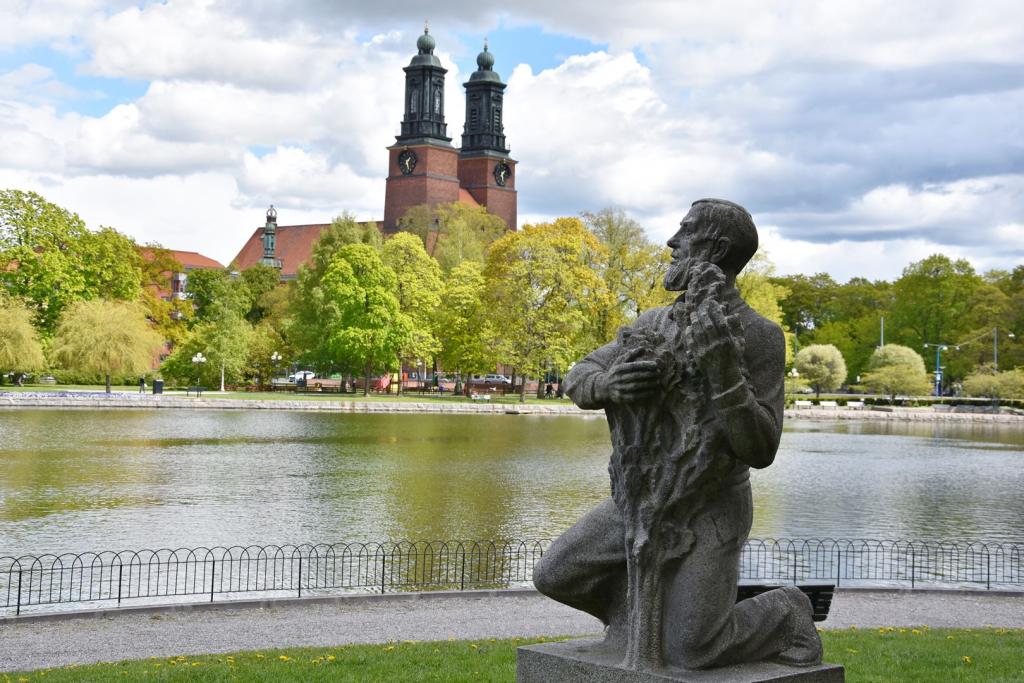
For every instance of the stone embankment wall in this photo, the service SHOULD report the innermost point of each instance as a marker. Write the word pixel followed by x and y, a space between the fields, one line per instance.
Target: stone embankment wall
pixel 147 401
pixel 903 415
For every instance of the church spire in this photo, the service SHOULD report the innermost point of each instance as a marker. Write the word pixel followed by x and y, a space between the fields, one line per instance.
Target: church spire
pixel 484 130
pixel 424 95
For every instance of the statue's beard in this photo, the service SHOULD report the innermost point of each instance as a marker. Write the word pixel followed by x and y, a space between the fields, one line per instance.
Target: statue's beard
pixel 678 276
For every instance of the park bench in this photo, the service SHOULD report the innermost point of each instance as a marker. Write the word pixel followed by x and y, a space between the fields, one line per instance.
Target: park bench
pixel 828 404
pixel 802 404
pixel 198 391
pixel 480 397
pixel 855 404
pixel 820 595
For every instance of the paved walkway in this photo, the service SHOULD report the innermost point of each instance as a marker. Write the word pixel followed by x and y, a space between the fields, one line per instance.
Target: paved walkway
pixel 42 644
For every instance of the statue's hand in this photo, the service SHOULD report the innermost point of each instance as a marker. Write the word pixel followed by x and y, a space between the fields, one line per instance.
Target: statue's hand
pixel 631 380
pixel 712 347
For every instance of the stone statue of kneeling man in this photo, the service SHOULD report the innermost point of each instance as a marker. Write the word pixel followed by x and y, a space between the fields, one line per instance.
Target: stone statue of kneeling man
pixel 693 393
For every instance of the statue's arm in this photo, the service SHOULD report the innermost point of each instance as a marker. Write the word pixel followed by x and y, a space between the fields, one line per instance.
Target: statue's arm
pixel 752 411
pixel 611 375
pixel 586 383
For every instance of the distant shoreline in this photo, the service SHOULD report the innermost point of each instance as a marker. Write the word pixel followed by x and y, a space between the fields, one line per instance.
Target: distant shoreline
pixel 127 401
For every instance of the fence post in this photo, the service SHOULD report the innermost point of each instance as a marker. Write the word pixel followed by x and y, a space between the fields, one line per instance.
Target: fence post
pixel 120 569
pixel 17 610
pixel 300 574
pixel 462 583
pixel 839 564
pixel 383 561
pixel 213 570
pixel 794 568
pixel 912 566
pixel 988 570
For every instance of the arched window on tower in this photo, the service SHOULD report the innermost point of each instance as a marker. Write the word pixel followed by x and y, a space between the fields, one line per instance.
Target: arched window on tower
pixel 413 97
pixel 437 100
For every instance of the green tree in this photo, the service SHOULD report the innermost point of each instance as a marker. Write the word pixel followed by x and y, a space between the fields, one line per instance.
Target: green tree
pixel 764 295
pixel 259 281
pixel 342 231
pixel 224 343
pixel 20 350
pixel 111 264
pixel 350 318
pixel 214 293
pixel 809 304
pixel 896 369
pixel 821 366
pixel 985 382
pixel 632 270
pixel 542 280
pixel 453 233
pixel 419 293
pixel 106 338
pixel 932 300
pixel 465 323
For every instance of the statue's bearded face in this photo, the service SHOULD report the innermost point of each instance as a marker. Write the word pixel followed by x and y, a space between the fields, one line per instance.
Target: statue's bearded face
pixel 690 246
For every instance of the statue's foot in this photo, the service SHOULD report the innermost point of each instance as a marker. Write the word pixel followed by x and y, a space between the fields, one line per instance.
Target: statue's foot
pixel 805 644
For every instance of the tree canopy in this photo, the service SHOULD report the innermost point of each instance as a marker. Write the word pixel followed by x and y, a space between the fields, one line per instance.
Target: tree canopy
pixel 542 282
pixel 106 338
pixel 20 350
pixel 896 369
pixel 821 366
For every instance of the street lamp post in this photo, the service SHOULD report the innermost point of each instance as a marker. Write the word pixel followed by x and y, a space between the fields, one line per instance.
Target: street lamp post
pixel 995 346
pixel 198 360
pixel 939 348
pixel 275 358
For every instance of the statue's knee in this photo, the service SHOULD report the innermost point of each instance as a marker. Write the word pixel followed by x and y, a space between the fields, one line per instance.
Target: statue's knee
pixel 545 575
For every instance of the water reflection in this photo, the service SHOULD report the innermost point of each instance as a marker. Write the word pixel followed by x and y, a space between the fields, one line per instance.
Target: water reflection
pixel 77 480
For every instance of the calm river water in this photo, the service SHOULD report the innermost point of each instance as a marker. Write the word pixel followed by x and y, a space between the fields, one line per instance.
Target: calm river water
pixel 93 480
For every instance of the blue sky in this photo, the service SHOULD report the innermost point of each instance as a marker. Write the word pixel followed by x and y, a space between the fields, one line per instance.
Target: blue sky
pixel 862 137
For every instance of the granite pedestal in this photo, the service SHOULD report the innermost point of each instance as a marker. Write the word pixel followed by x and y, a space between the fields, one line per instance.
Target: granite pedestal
pixel 583 661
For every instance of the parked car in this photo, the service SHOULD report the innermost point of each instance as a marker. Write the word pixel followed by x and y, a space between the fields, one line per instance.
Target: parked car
pixel 490 379
pixel 301 375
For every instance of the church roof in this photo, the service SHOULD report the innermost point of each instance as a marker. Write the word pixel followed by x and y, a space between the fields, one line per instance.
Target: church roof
pixel 294 244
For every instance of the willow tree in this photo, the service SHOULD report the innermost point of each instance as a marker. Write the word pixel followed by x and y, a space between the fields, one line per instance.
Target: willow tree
pixel 20 350
pixel 106 338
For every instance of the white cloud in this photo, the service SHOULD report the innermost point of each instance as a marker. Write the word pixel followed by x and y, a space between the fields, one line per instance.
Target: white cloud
pixel 864 135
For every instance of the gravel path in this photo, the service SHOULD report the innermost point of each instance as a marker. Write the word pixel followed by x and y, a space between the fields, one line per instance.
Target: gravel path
pixel 43 644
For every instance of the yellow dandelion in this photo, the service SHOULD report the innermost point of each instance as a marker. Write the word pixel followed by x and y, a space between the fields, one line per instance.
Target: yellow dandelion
pixel 330 658
pixel 949 637
pixel 966 659
pixel 284 658
pixel 259 656
pixel 851 651
pixel 915 631
pixel 389 648
pixel 473 646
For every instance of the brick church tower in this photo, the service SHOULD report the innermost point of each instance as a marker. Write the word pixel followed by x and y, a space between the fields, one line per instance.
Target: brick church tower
pixel 424 168
pixel 485 168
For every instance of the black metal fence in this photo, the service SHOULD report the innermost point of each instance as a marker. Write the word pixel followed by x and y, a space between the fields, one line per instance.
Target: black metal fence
pixel 195 574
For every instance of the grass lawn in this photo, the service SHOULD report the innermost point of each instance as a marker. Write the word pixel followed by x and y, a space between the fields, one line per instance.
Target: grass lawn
pixel 873 655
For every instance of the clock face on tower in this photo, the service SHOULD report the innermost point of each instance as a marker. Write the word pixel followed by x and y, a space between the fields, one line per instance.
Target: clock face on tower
pixel 502 172
pixel 407 161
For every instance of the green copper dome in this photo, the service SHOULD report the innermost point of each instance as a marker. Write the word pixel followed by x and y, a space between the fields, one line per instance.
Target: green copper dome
pixel 425 43
pixel 485 60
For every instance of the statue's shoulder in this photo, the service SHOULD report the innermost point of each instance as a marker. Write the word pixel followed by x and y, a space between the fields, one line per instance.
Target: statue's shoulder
pixel 652 318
